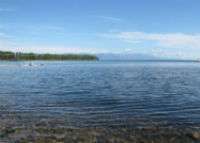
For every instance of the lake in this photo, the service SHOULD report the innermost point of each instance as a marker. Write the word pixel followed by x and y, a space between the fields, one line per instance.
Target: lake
pixel 100 101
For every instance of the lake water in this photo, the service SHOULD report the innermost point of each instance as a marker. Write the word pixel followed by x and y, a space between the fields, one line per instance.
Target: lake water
pixel 102 101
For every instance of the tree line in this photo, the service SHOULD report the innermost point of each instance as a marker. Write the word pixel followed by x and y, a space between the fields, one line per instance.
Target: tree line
pixel 11 56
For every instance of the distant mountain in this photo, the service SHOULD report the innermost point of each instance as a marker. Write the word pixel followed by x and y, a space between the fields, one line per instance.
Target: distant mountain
pixel 126 57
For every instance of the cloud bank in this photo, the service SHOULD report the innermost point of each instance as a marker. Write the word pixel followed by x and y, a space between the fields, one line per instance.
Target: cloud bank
pixel 49 49
pixel 171 40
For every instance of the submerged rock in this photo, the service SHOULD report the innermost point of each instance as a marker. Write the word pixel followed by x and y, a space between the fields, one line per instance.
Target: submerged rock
pixel 195 135
pixel 6 132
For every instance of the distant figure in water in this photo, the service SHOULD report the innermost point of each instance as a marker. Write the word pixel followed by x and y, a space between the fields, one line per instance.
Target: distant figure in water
pixel 31 64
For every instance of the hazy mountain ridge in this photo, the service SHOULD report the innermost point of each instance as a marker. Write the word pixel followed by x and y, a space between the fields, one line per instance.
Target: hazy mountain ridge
pixel 126 56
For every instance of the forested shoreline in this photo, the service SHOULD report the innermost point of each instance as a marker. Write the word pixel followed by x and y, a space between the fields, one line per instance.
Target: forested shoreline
pixel 11 56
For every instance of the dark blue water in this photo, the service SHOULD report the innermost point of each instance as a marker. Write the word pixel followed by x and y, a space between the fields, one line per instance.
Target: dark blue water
pixel 103 93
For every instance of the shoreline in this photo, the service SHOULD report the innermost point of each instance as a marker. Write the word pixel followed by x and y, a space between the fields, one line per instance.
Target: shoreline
pixel 37 133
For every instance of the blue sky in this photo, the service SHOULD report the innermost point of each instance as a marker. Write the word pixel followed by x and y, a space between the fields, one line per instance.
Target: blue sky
pixel 165 28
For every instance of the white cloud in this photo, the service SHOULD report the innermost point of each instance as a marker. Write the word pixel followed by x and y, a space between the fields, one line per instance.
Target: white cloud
pixel 46 27
pixel 171 40
pixel 6 9
pixel 110 18
pixel 2 35
pixel 128 50
pixel 53 28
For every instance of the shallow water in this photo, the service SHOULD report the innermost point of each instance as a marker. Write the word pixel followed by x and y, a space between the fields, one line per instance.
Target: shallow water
pixel 99 97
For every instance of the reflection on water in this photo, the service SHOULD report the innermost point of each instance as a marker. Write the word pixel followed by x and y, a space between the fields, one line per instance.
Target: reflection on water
pixel 100 102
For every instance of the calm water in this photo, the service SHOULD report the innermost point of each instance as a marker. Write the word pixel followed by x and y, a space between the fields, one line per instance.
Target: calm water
pixel 77 95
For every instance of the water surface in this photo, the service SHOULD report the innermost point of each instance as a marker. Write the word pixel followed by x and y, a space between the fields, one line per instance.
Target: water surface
pixel 99 96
